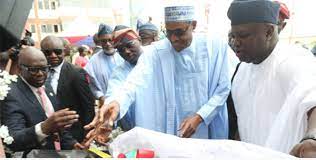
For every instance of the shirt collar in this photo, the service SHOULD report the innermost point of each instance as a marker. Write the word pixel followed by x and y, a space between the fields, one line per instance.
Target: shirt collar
pixel 109 55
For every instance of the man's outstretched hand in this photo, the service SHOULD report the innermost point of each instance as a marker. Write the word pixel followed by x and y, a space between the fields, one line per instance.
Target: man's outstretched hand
pixel 102 124
pixel 109 113
pixel 190 125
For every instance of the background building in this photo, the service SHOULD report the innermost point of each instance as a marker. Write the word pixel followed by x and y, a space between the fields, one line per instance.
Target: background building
pixel 67 18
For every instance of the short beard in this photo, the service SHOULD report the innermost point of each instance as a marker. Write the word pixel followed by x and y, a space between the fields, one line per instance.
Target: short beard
pixel 108 53
pixel 55 65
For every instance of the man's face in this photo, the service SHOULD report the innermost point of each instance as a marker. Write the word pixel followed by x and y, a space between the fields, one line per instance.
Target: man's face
pixel 67 49
pixel 106 43
pixel 84 53
pixel 230 39
pixel 130 51
pixel 180 34
pixel 54 52
pixel 249 42
pixel 148 36
pixel 34 71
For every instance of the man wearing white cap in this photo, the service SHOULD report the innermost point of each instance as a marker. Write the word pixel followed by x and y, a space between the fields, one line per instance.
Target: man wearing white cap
pixel 101 64
pixel 179 85
pixel 148 33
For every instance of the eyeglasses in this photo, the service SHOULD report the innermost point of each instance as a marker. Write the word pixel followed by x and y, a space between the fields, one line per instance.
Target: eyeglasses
pixel 35 70
pixel 49 52
pixel 122 47
pixel 147 36
pixel 105 40
pixel 177 32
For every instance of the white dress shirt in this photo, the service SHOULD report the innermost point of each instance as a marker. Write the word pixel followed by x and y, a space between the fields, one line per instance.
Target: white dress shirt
pixel 168 86
pixel 272 98
pixel 55 78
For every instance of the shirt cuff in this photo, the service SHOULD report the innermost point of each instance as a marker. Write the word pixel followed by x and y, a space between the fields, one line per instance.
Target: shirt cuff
pixel 108 100
pixel 124 103
pixel 98 94
pixel 207 113
pixel 38 130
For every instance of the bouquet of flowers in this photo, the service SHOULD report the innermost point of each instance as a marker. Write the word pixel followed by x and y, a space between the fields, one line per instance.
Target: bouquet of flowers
pixel 4 133
pixel 5 80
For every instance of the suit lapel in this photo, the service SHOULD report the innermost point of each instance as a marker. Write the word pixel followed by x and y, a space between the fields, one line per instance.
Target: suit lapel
pixel 62 78
pixel 28 93
pixel 52 97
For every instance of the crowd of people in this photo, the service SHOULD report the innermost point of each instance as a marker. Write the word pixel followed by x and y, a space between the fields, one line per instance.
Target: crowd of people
pixel 181 85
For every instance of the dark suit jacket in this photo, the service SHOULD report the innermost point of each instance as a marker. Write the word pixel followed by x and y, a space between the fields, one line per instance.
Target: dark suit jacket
pixel 73 92
pixel 232 116
pixel 21 111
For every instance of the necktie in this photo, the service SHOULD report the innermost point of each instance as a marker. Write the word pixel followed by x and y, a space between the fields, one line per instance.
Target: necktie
pixel 50 76
pixel 48 108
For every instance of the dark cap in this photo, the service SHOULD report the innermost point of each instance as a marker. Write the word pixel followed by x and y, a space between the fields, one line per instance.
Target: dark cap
pixel 148 26
pixel 104 29
pixel 253 11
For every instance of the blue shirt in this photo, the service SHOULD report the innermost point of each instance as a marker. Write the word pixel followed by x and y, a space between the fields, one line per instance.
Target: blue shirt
pixel 168 86
pixel 116 80
pixel 100 67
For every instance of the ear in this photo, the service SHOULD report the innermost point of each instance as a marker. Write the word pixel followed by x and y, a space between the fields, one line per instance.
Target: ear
pixel 270 31
pixel 194 24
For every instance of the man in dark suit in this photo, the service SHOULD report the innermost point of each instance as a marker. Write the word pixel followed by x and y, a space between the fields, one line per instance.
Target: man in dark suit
pixel 70 83
pixel 31 113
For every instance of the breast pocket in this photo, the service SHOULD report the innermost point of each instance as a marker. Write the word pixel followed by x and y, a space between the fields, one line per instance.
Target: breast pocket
pixel 193 91
pixel 201 62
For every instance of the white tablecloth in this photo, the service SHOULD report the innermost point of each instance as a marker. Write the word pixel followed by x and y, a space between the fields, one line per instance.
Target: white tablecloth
pixel 169 146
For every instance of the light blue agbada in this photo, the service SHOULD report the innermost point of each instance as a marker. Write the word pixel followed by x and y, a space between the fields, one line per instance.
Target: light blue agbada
pixel 116 80
pixel 100 67
pixel 168 87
